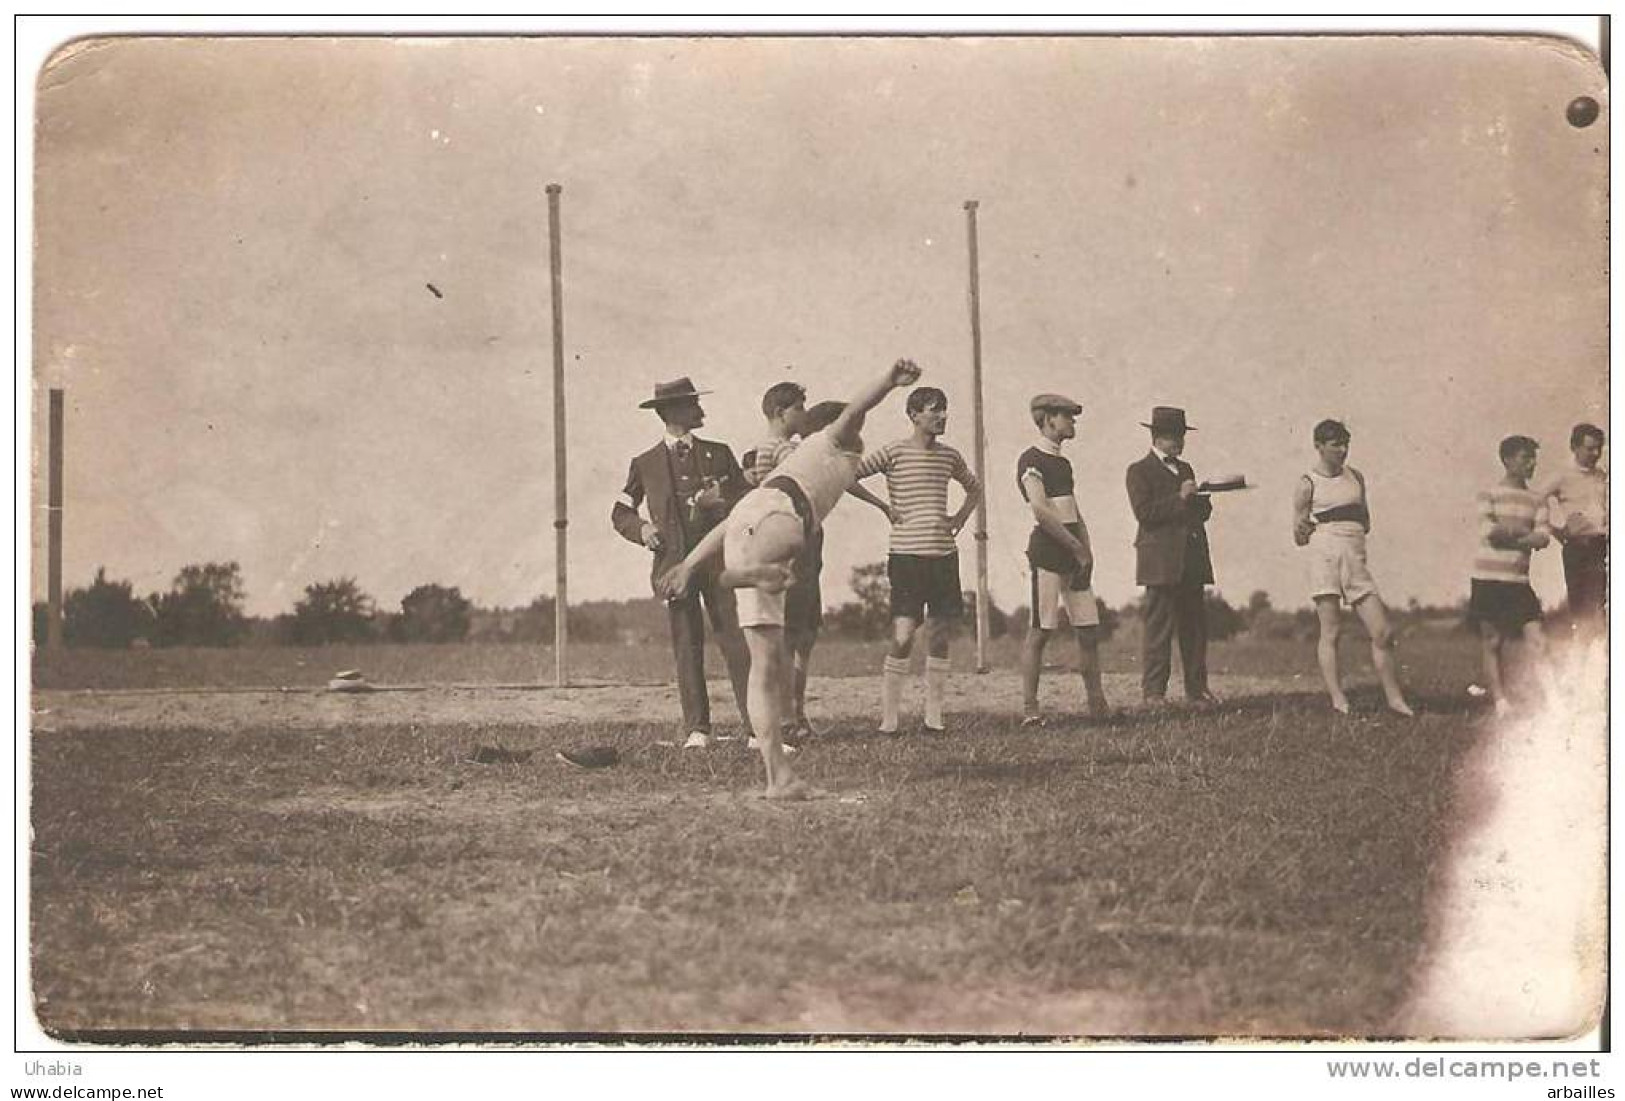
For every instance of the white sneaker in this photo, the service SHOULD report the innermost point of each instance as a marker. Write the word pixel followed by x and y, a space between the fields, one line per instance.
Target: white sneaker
pixel 753 743
pixel 698 739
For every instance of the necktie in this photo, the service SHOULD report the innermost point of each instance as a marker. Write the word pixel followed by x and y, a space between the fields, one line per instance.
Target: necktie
pixel 681 451
pixel 1172 465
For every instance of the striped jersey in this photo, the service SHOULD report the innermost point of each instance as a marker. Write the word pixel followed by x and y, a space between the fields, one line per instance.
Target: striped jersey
pixel 1513 510
pixel 767 455
pixel 917 484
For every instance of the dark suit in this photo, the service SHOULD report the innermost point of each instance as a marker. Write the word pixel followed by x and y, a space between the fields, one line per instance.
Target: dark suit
pixel 1172 562
pixel 657 478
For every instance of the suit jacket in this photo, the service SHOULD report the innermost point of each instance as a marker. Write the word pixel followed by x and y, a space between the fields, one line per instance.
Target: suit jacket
pixel 652 480
pixel 1170 547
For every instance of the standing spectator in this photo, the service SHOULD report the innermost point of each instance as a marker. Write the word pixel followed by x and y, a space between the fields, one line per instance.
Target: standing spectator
pixel 1512 525
pixel 1059 556
pixel 1331 516
pixel 1577 501
pixel 1171 559
pixel 923 560
pixel 689 484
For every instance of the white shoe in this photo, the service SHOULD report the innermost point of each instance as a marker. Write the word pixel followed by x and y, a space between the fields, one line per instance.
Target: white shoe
pixel 753 743
pixel 698 739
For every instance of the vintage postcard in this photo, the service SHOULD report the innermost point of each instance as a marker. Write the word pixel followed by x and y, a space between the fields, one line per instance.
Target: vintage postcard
pixel 1054 538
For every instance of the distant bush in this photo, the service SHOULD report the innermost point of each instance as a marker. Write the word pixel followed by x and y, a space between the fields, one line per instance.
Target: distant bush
pixel 203 607
pixel 1223 621
pixel 592 621
pixel 1300 625
pixel 333 611
pixel 869 616
pixel 432 613
pixel 105 615
pixel 998 622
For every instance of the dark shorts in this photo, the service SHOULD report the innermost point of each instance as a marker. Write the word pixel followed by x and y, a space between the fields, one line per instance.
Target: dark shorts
pixel 1504 605
pixel 804 601
pixel 804 605
pixel 919 584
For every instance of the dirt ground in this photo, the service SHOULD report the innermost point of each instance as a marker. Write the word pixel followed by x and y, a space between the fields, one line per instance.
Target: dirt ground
pixel 833 699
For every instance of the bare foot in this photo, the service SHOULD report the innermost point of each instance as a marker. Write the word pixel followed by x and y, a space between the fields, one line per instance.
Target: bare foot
pixel 794 790
pixel 1400 707
pixel 1340 706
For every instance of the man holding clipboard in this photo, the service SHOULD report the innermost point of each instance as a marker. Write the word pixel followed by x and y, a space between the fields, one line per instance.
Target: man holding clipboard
pixel 1171 559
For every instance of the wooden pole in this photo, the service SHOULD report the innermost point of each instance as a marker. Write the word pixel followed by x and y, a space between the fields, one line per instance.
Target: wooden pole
pixel 981 440
pixel 53 559
pixel 561 506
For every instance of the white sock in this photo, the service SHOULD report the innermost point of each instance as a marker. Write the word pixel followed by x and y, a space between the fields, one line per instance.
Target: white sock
pixel 936 686
pixel 892 672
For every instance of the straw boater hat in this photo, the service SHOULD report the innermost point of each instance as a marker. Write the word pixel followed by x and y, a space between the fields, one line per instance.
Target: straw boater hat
pixel 668 392
pixel 1168 421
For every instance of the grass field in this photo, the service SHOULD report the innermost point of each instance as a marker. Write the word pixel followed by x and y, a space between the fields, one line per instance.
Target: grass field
pixel 1441 657
pixel 1260 869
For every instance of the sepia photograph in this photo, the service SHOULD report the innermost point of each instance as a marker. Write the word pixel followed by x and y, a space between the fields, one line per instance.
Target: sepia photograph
pixel 820 540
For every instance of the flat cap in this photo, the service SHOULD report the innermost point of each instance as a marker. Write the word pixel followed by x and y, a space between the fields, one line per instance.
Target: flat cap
pixel 1044 403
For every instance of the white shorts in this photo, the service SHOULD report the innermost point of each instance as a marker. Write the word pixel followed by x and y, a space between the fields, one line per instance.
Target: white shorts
pixel 1050 590
pixel 756 608
pixel 1337 567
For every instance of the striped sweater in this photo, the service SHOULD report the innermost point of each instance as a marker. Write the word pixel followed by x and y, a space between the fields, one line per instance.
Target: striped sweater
pixel 1515 512
pixel 917 482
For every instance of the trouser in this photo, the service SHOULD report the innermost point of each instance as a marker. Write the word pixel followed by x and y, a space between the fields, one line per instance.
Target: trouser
pixel 1585 569
pixel 687 621
pixel 1171 609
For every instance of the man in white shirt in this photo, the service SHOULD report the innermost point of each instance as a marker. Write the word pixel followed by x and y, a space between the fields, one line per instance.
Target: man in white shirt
pixel 1577 503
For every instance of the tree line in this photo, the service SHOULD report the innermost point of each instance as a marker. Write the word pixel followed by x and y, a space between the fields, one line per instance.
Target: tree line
pixel 204 606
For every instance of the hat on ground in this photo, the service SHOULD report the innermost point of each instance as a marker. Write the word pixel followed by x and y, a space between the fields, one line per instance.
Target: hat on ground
pixel 667 392
pixel 592 756
pixel 1046 403
pixel 1168 421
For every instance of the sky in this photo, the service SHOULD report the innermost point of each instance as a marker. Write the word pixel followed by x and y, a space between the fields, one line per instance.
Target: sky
pixel 234 241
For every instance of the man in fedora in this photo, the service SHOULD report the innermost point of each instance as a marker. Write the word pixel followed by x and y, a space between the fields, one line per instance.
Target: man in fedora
pixel 689 485
pixel 1171 558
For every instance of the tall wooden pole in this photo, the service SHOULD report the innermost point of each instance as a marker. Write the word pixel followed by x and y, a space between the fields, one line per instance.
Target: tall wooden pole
pixel 981 440
pixel 561 505
pixel 53 558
